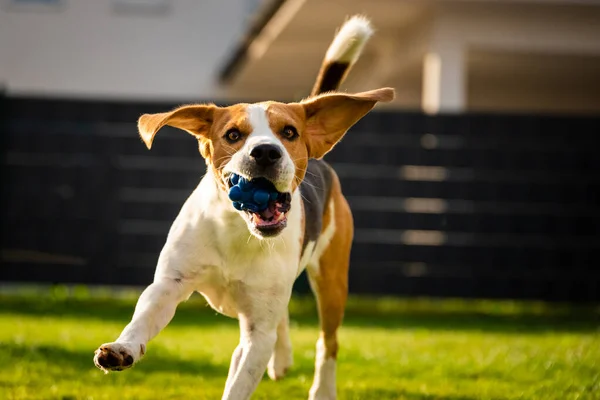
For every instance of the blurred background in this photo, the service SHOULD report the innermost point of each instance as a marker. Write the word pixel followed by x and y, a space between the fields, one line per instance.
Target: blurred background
pixel 475 269
pixel 480 180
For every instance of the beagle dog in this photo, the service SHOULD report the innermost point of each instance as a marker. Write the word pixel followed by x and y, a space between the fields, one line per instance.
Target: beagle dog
pixel 243 262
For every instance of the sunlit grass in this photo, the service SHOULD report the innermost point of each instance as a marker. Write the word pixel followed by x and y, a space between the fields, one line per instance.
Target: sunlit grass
pixel 390 349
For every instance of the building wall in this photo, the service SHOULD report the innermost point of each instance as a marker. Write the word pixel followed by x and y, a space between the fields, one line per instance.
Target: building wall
pixel 525 58
pixel 92 48
pixel 533 82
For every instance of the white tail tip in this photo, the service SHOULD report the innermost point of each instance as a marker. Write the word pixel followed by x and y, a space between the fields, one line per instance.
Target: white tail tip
pixel 350 40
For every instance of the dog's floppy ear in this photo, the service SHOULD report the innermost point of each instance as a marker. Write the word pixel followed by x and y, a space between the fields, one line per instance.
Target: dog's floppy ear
pixel 194 119
pixel 330 115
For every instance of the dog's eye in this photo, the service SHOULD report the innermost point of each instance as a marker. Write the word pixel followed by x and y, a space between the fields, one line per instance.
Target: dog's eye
pixel 289 132
pixel 233 135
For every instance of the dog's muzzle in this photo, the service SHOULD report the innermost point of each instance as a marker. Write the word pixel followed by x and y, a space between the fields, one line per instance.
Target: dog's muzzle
pixel 259 179
pixel 264 207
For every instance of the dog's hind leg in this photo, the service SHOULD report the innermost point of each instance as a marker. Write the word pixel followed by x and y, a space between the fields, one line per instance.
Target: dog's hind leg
pixel 155 308
pixel 329 281
pixel 282 357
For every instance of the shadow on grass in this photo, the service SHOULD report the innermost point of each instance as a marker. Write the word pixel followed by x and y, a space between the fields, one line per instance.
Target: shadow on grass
pixel 477 315
pixel 402 394
pixel 485 316
pixel 77 361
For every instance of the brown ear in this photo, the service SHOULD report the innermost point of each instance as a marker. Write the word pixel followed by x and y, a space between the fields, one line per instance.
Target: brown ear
pixel 194 119
pixel 329 116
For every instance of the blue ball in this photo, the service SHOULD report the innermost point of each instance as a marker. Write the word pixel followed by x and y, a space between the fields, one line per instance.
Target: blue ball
pixel 245 185
pixel 261 196
pixel 253 196
pixel 235 193
pixel 250 207
pixel 248 197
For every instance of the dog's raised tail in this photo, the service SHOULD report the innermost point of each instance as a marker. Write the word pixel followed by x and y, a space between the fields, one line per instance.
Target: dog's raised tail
pixel 343 52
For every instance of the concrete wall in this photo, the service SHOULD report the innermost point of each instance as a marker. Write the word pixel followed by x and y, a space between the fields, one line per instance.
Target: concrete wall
pixel 90 48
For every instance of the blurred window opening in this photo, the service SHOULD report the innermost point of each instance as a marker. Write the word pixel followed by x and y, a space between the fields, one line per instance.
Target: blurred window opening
pixel 142 6
pixel 34 5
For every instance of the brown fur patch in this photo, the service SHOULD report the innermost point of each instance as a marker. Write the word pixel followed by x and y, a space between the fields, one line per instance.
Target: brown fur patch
pixel 330 283
pixel 221 151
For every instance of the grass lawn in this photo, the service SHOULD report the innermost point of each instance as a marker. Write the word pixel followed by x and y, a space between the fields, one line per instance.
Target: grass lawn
pixel 389 349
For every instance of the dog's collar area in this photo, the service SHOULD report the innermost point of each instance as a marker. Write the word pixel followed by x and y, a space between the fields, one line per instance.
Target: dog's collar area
pixel 265 206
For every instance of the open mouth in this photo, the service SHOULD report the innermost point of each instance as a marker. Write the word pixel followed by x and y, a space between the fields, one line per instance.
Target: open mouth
pixel 265 207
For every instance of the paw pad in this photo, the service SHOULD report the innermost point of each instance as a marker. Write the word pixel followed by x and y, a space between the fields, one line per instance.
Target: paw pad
pixel 108 358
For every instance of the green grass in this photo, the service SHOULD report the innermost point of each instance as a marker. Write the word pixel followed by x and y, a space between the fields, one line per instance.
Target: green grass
pixel 389 349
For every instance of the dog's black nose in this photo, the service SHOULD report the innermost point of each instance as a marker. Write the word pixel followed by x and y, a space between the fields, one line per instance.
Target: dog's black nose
pixel 265 154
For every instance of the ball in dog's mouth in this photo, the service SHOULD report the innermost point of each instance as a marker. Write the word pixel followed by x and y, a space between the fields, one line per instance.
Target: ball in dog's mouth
pixel 273 217
pixel 264 206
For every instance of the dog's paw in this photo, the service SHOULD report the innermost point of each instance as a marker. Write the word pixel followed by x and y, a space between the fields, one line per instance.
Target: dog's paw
pixel 281 361
pixel 116 356
pixel 321 394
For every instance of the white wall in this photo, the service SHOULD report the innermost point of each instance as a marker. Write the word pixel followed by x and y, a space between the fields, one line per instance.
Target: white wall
pixel 88 49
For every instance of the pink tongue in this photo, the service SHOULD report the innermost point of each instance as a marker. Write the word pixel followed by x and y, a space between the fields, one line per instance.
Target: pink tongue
pixel 268 216
pixel 271 211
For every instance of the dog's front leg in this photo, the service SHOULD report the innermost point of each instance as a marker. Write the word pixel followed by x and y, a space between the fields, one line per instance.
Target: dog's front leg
pixel 250 358
pixel 155 308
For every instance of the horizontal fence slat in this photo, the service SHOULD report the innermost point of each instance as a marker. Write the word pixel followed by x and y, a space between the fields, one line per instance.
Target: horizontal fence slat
pixel 439 205
pixel 478 191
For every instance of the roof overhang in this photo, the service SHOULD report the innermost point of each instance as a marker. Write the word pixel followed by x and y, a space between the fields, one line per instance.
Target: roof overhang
pixel 281 53
pixel 289 38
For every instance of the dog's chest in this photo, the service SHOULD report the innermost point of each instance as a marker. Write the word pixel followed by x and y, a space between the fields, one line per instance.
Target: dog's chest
pixel 244 270
pixel 244 277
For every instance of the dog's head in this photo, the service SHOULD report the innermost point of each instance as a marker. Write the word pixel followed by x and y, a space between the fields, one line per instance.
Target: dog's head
pixel 269 141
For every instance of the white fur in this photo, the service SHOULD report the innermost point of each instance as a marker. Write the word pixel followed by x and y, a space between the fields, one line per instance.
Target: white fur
pixel 282 358
pixel 350 40
pixel 202 253
pixel 307 256
pixel 323 387
pixel 321 245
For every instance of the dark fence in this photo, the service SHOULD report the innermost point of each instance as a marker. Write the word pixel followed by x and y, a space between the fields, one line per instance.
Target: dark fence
pixel 470 205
